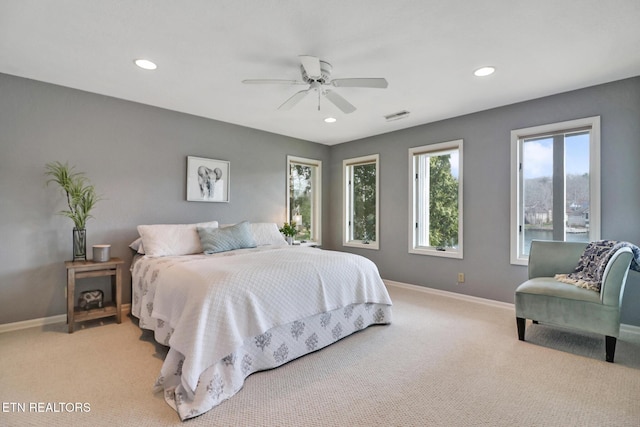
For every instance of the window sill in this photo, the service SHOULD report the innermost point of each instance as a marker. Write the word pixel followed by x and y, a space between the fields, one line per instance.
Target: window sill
pixel 457 254
pixel 520 261
pixel 358 244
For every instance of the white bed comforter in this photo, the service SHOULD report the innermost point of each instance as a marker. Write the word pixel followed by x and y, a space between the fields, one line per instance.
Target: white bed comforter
pixel 213 303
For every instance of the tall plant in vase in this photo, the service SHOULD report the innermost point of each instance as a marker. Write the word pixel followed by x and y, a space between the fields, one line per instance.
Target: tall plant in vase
pixel 81 199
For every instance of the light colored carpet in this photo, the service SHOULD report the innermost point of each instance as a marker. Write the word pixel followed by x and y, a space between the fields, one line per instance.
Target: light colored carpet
pixel 442 362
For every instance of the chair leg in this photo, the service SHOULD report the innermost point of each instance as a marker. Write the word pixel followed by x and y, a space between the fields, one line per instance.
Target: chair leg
pixel 610 347
pixel 521 321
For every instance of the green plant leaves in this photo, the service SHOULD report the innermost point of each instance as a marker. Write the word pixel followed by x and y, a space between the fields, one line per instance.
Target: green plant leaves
pixel 81 195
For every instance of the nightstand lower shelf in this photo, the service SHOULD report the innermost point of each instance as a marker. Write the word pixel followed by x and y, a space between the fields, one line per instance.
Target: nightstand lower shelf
pixel 80 315
pixel 88 269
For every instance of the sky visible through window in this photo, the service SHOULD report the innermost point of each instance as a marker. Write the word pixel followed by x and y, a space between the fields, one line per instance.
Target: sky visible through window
pixel 455 162
pixel 538 156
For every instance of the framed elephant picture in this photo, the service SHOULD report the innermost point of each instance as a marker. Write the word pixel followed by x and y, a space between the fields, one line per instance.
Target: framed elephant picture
pixel 207 180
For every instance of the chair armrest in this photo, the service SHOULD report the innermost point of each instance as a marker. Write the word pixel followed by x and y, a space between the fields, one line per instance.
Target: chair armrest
pixel 548 258
pixel 615 277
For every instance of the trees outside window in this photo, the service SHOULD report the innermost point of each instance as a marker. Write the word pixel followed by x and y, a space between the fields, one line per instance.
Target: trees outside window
pixel 435 224
pixel 304 177
pixel 361 208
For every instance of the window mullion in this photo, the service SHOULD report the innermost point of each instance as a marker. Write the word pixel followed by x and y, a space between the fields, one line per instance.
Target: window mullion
pixel 521 191
pixel 425 195
pixel 419 191
pixel 559 206
pixel 351 210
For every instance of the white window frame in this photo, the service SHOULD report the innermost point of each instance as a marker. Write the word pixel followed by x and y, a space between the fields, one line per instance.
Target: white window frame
pixel 517 257
pixel 417 207
pixel 316 191
pixel 347 212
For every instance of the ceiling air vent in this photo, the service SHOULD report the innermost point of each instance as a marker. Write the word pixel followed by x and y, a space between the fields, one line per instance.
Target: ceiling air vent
pixel 397 116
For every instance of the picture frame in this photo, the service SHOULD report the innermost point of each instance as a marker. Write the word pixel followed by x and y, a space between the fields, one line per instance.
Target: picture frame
pixel 207 180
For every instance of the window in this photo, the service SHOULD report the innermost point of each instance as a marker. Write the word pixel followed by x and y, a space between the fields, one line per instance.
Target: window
pixel 361 213
pixel 555 184
pixel 435 211
pixel 304 189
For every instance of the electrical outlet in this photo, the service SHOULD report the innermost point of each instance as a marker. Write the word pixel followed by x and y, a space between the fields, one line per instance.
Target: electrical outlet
pixel 460 277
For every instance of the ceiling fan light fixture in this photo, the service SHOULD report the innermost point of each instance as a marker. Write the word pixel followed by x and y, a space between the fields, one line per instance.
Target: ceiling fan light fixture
pixel 330 120
pixel 145 64
pixel 484 71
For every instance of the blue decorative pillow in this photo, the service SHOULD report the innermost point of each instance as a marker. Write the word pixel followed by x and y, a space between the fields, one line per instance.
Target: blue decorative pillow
pixel 215 240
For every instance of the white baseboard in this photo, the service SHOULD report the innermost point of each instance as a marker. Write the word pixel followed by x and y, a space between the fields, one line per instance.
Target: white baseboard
pixel 32 323
pixel 60 318
pixel 629 329
pixel 478 300
pixel 624 328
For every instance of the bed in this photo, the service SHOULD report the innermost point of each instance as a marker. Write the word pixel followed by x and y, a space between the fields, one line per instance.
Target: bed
pixel 225 314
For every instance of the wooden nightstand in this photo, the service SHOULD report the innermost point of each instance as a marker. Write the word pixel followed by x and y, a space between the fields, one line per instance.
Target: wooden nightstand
pixel 85 269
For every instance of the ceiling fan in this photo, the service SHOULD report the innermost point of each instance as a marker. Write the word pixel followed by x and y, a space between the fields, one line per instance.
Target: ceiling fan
pixel 317 74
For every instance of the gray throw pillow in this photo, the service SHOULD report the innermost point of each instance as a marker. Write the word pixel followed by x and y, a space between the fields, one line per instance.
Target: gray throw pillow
pixel 216 240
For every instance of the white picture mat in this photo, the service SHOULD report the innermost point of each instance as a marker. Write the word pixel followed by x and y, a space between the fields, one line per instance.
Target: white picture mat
pixel 207 179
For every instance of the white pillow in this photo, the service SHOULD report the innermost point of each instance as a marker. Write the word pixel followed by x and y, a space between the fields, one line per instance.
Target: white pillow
pixel 137 246
pixel 267 233
pixel 172 239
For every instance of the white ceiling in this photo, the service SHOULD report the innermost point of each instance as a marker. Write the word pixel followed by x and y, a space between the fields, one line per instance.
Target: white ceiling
pixel 426 49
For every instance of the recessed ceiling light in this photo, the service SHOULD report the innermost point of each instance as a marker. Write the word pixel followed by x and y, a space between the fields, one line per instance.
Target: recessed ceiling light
pixel 330 120
pixel 146 64
pixel 484 71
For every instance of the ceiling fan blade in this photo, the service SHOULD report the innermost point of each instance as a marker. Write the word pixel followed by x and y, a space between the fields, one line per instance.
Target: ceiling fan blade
pixel 311 65
pixel 291 102
pixel 272 81
pixel 378 83
pixel 340 102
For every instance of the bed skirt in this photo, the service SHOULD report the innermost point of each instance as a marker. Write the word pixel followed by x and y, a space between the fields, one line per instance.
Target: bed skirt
pixel 271 349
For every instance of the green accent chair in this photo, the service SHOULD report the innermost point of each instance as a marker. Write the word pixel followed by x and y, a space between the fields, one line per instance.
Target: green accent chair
pixel 546 300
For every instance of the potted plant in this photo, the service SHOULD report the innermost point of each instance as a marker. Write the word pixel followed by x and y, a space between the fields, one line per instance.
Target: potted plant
pixel 289 230
pixel 81 199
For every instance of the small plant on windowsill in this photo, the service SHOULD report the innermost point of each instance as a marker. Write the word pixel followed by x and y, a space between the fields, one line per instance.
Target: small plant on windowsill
pixel 289 230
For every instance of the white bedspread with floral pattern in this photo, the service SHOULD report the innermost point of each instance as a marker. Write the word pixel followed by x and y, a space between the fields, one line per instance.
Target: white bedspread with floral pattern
pixel 207 308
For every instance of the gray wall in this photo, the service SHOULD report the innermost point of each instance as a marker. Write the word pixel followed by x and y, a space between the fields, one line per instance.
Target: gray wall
pixel 487 189
pixel 136 156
